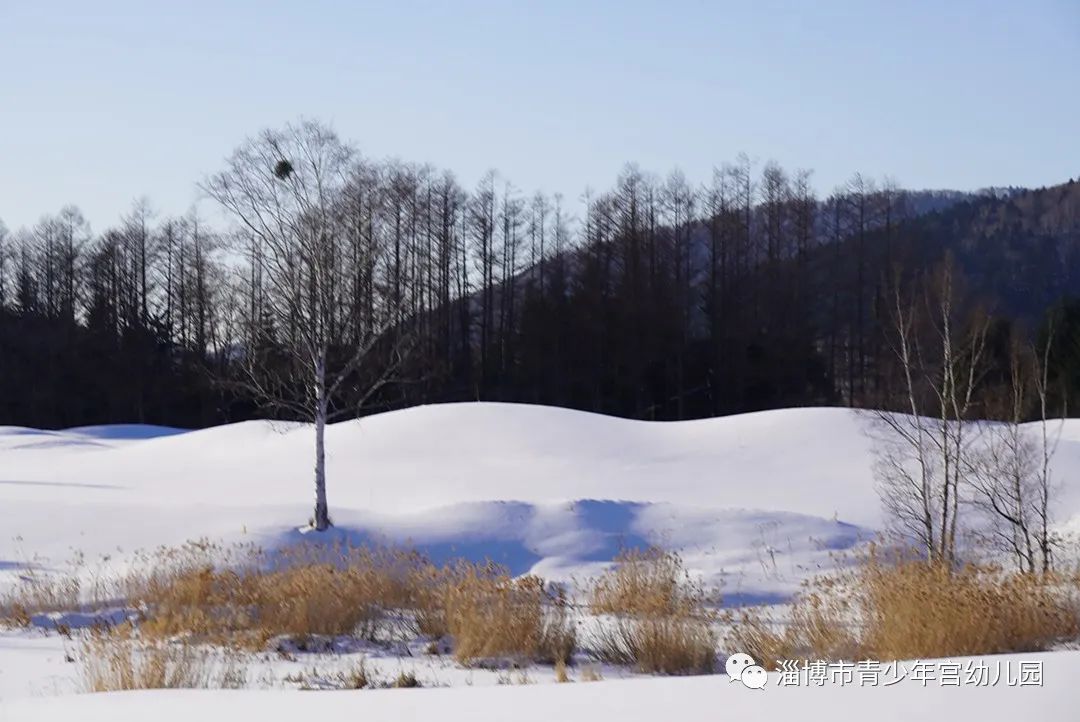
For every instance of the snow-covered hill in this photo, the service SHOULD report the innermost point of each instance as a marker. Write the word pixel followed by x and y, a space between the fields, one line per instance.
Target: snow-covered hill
pixel 429 456
pixel 754 502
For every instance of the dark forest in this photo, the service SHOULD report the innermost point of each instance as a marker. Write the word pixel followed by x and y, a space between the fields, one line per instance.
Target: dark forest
pixel 656 299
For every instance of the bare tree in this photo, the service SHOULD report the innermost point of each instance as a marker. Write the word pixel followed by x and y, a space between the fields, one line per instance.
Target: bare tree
pixel 1047 444
pixel 539 208
pixel 1003 473
pixel 481 218
pixel 74 233
pixel 305 354
pixel 137 239
pixel 4 253
pixel 1012 477
pixel 923 455
pixel 511 217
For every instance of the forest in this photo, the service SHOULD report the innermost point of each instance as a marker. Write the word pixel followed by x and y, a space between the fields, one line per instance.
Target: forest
pixel 658 298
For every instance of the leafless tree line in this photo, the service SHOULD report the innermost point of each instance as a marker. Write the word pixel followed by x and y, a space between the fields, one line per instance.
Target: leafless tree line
pixel 723 259
pixel 342 281
pixel 942 470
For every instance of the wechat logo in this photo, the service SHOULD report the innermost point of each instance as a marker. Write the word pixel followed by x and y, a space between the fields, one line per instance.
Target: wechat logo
pixel 742 667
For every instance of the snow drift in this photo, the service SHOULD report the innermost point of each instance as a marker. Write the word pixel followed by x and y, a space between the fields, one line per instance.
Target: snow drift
pixel 755 502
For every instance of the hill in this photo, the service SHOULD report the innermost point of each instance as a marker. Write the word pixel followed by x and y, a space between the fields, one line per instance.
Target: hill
pixel 754 502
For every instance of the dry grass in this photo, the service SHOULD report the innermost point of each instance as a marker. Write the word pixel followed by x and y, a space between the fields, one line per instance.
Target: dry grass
pixel 300 592
pixel 903 608
pixel 118 659
pixel 591 674
pixel 357 677
pixel 662 621
pixel 491 615
pixel 13 613
pixel 406 680
pixel 83 586
pixel 912 609
pixel 656 618
pixel 661 645
pixel 819 627
pixel 648 582
pixel 39 592
pixel 242 598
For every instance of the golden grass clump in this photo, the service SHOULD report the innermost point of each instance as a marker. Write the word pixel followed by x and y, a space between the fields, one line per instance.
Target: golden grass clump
pixel 38 592
pixel 900 607
pixel 119 659
pixel 83 585
pixel 301 591
pixel 819 627
pixel 315 591
pixel 205 602
pixel 241 598
pixel 357 677
pixel 661 645
pixel 912 609
pixel 13 613
pixel 646 582
pixel 490 615
pixel 662 622
pixel 320 600
pixel 406 680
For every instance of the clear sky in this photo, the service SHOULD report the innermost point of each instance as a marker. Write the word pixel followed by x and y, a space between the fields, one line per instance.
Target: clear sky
pixel 104 101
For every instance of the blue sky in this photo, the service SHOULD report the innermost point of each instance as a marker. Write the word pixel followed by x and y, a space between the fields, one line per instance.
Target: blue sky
pixel 101 102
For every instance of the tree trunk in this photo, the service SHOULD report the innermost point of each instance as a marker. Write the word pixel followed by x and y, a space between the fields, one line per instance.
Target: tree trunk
pixel 321 520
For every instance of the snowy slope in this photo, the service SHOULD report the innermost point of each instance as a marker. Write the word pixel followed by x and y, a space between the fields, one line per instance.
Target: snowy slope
pixel 754 502
pixel 430 456
pixel 646 700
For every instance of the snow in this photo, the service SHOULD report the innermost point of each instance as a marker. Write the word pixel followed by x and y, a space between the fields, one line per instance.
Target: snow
pixel 653 700
pixel 754 503
pixel 425 457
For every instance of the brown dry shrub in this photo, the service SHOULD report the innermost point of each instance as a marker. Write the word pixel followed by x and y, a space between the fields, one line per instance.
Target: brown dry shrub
pixel 429 586
pixel 646 582
pixel 314 591
pixel 660 645
pixel 818 628
pixel 301 591
pixel 912 609
pixel 207 603
pixel 895 606
pixel 319 600
pixel 406 680
pixel 491 615
pixel 38 592
pixel 118 658
pixel 663 623
pixel 14 613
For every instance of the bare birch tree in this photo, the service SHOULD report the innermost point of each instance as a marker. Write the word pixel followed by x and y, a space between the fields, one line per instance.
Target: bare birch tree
pixel 1013 481
pixel 1047 445
pixel 923 455
pixel 1003 473
pixel 316 350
